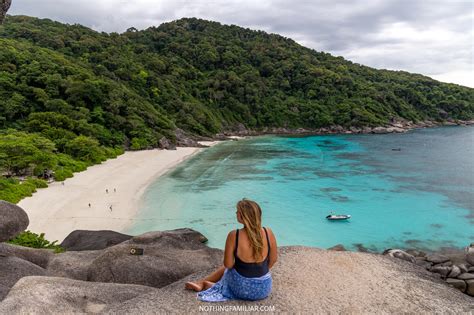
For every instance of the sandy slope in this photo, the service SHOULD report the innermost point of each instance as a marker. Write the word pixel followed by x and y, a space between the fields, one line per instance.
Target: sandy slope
pixel 60 209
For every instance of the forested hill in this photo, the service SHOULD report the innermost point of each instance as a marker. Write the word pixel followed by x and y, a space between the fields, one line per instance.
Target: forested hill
pixel 198 75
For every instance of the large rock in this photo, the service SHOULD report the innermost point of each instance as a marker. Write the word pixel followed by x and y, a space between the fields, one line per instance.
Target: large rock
pixel 184 140
pixel 457 283
pixel 455 271
pixel 463 268
pixel 470 254
pixel 338 248
pixel 327 282
pixel 379 130
pixel 93 240
pixel 437 258
pixel 168 256
pixel 416 252
pixel 470 287
pixel 442 270
pixel 74 265
pixel 12 269
pixel 423 263
pixel 50 295
pixel 400 254
pixel 13 220
pixel 448 263
pixel 466 276
pixel 166 144
pixel 36 256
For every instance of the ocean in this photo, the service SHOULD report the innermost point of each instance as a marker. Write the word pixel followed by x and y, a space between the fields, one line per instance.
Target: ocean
pixel 411 190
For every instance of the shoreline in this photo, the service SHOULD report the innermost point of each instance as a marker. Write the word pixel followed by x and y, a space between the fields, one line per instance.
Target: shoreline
pixel 67 204
pixel 397 126
pixel 61 208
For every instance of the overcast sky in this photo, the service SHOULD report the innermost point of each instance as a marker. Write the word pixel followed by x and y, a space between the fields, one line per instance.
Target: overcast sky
pixel 432 37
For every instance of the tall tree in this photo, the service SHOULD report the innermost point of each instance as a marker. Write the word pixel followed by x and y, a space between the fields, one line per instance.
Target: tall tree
pixel 4 6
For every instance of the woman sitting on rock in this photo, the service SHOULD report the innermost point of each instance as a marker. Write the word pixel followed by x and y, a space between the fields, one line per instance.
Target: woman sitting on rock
pixel 249 255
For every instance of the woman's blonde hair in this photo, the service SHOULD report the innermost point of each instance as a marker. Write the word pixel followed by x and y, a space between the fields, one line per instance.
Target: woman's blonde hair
pixel 251 215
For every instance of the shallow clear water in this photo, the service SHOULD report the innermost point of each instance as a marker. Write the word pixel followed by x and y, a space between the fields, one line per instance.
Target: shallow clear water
pixel 421 196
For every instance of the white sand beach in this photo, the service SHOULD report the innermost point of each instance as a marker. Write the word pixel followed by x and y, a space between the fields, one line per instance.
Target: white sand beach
pixel 60 209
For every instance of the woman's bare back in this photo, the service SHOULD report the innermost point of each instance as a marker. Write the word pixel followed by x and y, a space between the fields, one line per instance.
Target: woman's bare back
pixel 244 250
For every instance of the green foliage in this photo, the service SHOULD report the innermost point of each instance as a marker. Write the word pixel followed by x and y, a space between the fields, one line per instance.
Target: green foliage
pixel 77 97
pixel 30 239
pixel 85 149
pixel 12 190
pixel 21 152
pixel 66 81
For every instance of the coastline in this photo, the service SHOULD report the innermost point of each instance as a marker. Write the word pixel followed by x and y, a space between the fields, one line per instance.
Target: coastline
pixel 396 126
pixel 67 204
pixel 62 208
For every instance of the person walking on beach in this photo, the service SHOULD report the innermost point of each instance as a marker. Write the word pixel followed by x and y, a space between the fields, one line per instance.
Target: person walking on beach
pixel 106 190
pixel 89 204
pixel 115 190
pixel 110 208
pixel 249 255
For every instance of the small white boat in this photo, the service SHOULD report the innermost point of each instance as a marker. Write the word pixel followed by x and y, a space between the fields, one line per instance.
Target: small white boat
pixel 338 217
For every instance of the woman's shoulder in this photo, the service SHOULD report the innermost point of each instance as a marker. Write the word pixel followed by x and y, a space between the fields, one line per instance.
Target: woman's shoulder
pixel 232 234
pixel 269 231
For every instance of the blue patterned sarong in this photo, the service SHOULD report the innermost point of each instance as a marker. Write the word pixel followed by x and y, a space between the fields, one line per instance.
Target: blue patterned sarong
pixel 234 286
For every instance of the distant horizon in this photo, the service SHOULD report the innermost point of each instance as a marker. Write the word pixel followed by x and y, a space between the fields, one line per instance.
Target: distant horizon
pixel 431 38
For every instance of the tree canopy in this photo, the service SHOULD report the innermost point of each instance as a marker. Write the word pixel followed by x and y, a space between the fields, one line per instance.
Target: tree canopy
pixel 89 95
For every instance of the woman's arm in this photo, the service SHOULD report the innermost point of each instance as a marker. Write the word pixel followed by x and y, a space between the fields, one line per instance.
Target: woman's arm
pixel 273 248
pixel 229 250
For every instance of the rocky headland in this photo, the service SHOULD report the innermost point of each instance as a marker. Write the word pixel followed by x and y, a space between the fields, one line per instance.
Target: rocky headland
pixel 98 274
pixel 399 125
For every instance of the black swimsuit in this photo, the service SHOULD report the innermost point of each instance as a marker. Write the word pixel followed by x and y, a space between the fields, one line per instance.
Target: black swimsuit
pixel 251 270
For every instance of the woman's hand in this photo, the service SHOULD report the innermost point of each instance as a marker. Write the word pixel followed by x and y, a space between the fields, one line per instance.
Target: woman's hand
pixel 229 250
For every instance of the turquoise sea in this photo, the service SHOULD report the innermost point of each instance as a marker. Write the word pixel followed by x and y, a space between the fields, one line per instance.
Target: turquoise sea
pixel 412 190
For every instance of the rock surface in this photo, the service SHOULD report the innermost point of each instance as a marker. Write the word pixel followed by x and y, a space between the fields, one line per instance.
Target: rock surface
pixel 74 265
pixel 327 282
pixel 437 258
pixel 338 248
pixel 38 257
pixel 442 270
pixel 455 271
pixel 13 220
pixel 449 263
pixel 13 269
pixel 93 240
pixel 470 254
pixel 470 287
pixel 400 254
pixel 457 283
pixel 166 144
pixel 50 295
pixel 466 276
pixel 185 140
pixel 168 256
